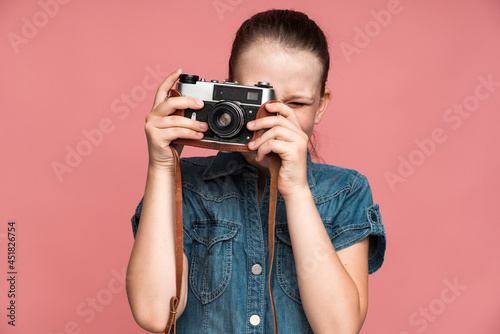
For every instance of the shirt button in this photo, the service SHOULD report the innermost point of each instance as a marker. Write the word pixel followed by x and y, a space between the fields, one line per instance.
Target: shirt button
pixel 255 320
pixel 256 269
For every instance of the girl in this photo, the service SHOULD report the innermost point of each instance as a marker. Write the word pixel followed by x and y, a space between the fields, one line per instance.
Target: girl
pixel 329 234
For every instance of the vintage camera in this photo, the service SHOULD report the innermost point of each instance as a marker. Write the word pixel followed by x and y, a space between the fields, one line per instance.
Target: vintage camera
pixel 228 107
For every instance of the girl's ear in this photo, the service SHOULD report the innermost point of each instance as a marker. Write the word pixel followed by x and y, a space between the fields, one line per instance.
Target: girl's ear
pixel 323 104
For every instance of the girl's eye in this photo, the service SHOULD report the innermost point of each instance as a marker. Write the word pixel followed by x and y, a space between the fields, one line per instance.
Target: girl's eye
pixel 296 104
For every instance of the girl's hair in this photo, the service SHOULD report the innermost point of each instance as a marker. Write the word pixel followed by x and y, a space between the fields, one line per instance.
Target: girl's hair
pixel 286 28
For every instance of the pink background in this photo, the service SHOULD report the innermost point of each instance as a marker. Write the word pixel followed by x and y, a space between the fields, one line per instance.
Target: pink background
pixel 68 69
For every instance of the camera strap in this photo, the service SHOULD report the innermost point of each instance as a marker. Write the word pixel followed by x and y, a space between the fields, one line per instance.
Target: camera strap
pixel 179 241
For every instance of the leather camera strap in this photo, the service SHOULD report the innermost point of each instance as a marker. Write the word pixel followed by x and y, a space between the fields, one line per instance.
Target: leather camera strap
pixel 179 242
pixel 273 198
pixel 179 245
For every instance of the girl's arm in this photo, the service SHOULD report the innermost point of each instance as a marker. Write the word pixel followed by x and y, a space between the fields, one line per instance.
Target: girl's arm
pixel 334 292
pixel 333 285
pixel 151 269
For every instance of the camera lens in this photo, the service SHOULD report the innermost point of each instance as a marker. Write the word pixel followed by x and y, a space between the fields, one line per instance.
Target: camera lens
pixel 226 119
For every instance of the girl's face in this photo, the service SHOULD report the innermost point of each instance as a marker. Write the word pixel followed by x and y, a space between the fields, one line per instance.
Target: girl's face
pixel 295 76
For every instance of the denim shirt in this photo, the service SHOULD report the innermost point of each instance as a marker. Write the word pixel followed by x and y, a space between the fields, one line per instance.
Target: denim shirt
pixel 226 242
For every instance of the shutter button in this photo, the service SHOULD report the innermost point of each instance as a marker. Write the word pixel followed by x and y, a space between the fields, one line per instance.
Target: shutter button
pixel 256 269
pixel 255 320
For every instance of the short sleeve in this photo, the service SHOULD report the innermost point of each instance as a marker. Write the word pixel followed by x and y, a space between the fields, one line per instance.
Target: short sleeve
pixel 357 219
pixel 136 217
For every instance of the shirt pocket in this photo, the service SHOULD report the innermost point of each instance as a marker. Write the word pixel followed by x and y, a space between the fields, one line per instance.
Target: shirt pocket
pixel 285 264
pixel 211 259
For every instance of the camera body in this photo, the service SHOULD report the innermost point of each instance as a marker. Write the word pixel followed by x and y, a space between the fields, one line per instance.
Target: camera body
pixel 228 107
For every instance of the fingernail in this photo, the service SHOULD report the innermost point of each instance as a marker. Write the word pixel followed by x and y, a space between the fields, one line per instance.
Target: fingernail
pixel 199 102
pixel 203 126
pixel 251 144
pixel 251 124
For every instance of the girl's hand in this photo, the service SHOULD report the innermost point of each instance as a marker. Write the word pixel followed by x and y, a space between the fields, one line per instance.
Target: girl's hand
pixel 161 128
pixel 285 138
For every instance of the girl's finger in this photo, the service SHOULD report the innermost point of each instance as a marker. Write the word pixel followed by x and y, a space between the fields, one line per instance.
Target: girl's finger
pixel 168 107
pixel 167 137
pixel 178 122
pixel 283 110
pixel 279 133
pixel 276 146
pixel 162 92
pixel 272 121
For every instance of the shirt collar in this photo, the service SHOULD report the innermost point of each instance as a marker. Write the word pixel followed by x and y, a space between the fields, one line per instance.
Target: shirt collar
pixel 227 163
pixel 223 164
